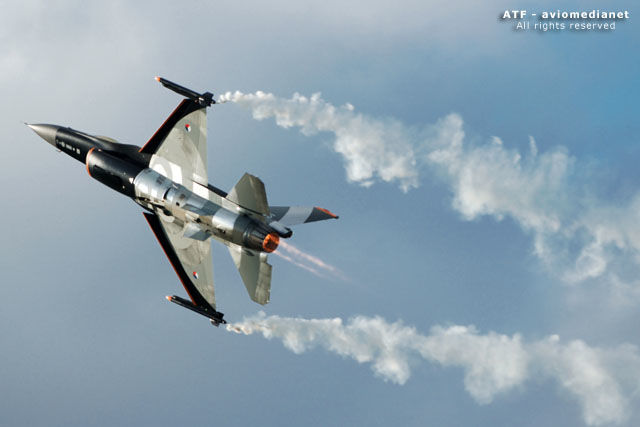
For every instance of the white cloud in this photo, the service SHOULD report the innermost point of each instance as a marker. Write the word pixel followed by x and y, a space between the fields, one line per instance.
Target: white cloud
pixel 602 381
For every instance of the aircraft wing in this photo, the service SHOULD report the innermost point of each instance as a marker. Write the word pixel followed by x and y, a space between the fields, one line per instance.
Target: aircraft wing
pixel 179 147
pixel 255 272
pixel 190 258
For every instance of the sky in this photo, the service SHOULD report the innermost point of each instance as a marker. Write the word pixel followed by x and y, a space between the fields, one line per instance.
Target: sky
pixel 484 267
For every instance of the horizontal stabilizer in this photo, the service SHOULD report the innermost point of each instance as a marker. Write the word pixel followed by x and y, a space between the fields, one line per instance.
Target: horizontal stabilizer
pixel 255 272
pixel 294 215
pixel 249 193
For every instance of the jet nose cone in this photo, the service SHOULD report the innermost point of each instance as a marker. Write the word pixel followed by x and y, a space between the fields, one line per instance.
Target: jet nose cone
pixel 46 132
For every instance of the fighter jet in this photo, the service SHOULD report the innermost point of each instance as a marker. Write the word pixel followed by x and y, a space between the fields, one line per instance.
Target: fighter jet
pixel 167 176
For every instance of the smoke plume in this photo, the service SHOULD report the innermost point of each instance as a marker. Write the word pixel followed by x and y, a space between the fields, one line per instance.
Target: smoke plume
pixel 372 148
pixel 575 233
pixel 308 262
pixel 602 381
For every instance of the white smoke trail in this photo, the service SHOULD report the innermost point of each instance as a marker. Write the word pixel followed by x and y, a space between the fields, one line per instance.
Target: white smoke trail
pixel 299 264
pixel 303 259
pixel 372 148
pixel 601 380
pixel 574 232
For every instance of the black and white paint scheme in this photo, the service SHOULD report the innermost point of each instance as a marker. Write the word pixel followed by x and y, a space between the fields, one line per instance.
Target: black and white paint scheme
pixel 168 178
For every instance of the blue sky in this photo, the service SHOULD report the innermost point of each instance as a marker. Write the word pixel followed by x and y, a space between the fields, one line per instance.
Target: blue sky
pixel 522 249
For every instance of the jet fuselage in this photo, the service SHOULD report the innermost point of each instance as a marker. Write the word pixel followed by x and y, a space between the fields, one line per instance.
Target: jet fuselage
pixel 168 178
pixel 123 168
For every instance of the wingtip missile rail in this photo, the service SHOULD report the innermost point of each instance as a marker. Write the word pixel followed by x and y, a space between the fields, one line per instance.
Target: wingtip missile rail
pixel 216 317
pixel 204 99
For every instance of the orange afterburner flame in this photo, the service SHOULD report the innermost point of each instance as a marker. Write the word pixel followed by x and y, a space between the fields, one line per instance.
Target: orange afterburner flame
pixel 270 243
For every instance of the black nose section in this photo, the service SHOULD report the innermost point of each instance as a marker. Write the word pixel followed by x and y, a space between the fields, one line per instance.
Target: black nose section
pixel 46 132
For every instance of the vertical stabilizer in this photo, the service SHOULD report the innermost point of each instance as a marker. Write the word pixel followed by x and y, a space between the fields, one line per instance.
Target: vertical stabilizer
pixel 249 193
